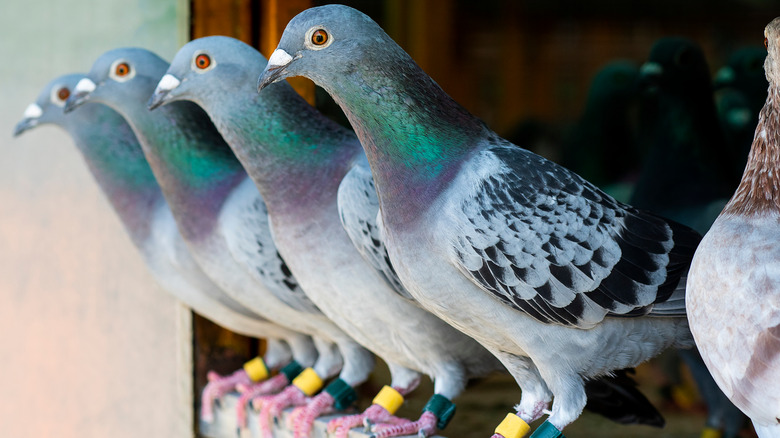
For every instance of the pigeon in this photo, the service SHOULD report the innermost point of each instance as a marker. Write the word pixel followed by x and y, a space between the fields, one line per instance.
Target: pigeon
pixel 558 280
pixel 301 161
pixel 115 158
pixel 217 208
pixel 740 88
pixel 676 90
pixel 678 118
pixel 601 146
pixel 734 280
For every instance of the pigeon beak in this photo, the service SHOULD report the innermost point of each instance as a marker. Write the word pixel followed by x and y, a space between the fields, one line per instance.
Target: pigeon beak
pixel 80 94
pixel 649 76
pixel 162 92
pixel 277 64
pixel 724 78
pixel 31 119
pixel 24 125
pixel 651 69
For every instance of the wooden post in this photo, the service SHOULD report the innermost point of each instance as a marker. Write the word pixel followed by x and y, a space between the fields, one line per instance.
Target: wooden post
pixel 231 18
pixel 274 16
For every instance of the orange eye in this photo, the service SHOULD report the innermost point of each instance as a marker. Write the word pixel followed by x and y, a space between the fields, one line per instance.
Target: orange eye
pixel 319 37
pixel 123 69
pixel 63 93
pixel 203 61
pixel 766 42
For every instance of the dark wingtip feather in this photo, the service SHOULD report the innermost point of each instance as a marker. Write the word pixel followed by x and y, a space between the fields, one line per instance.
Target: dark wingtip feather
pixel 617 398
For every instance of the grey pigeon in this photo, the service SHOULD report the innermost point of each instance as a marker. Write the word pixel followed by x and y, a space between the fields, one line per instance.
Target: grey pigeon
pixel 601 146
pixel 218 210
pixel 115 158
pixel 734 281
pixel 557 279
pixel 298 158
pixel 678 119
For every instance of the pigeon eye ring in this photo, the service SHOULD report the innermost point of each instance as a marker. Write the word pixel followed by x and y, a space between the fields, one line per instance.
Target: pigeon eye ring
pixel 318 38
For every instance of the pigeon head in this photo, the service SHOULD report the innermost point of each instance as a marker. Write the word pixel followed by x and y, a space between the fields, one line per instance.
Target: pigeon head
pixel 744 69
pixel 205 69
pixel 772 43
pixel 121 78
pixel 325 41
pixel 615 82
pixel 48 107
pixel 677 66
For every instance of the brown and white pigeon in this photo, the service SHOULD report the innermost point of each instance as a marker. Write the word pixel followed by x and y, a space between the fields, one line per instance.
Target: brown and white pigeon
pixel 733 296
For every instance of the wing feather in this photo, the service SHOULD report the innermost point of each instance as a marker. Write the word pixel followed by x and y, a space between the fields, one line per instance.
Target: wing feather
pixel 248 237
pixel 358 209
pixel 550 244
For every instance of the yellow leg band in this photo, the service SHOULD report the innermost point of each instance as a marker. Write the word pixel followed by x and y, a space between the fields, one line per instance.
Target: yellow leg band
pixel 710 432
pixel 513 427
pixel 389 398
pixel 256 369
pixel 308 381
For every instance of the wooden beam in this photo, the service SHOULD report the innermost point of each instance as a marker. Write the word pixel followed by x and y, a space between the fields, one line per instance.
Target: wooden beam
pixel 230 18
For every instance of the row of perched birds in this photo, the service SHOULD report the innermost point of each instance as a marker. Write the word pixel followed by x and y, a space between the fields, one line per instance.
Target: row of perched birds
pixel 422 237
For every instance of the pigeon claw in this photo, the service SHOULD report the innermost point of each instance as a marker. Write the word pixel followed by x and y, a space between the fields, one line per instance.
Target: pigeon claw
pixel 302 419
pixel 272 406
pixel 375 414
pixel 424 427
pixel 252 391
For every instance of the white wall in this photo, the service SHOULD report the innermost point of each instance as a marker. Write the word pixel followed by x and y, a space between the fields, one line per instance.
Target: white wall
pixel 89 346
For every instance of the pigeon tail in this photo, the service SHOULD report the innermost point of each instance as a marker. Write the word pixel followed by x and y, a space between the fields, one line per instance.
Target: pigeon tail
pixel 617 398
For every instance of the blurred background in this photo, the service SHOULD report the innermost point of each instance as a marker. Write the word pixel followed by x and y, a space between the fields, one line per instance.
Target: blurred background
pixel 91 347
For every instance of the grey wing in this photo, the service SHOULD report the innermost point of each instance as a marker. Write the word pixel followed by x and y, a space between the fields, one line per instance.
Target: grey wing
pixel 550 244
pixel 358 209
pixel 250 242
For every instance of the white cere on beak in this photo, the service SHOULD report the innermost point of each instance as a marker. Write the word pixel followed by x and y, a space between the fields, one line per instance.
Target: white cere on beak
pixel 651 68
pixel 33 111
pixel 279 58
pixel 85 86
pixel 168 83
pixel 725 74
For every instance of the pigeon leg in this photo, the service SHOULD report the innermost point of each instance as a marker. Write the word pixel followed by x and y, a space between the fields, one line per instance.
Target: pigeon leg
pixel 437 413
pixel 339 394
pixel 569 401
pixel 254 370
pixel 384 405
pixel 535 397
pixel 217 387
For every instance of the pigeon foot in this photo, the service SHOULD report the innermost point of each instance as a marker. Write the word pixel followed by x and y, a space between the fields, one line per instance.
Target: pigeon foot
pixel 423 427
pixel 373 415
pixel 252 391
pixel 217 387
pixel 302 418
pixel 271 407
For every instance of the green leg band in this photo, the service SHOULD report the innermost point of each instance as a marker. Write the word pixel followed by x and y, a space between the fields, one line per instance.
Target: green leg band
pixel 343 394
pixel 547 430
pixel 442 408
pixel 291 370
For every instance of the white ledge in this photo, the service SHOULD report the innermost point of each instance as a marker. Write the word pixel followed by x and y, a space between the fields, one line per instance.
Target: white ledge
pixel 225 425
